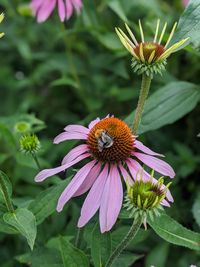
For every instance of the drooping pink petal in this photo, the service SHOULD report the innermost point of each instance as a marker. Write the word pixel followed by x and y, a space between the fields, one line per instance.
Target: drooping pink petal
pixel 74 153
pixel 93 199
pixel 156 164
pixel 69 8
pixel 136 170
pixel 111 201
pixel 35 5
pixel 69 136
pixel 77 4
pixel 139 145
pixel 93 123
pixel 125 174
pixel 89 180
pixel 74 185
pixel 165 203
pixel 41 176
pixel 45 10
pixel 61 10
pixel 76 129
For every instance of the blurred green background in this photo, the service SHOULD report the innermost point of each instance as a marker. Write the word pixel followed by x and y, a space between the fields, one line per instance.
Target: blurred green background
pixel 53 74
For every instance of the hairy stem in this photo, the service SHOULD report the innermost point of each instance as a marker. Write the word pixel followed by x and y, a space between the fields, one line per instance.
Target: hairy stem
pixel 36 160
pixel 146 82
pixel 123 244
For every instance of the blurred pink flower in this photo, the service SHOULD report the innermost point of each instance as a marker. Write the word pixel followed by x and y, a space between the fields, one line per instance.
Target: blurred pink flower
pixel 185 2
pixel 42 9
pixel 113 153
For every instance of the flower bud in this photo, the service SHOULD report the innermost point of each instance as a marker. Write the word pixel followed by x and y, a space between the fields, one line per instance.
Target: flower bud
pixel 29 143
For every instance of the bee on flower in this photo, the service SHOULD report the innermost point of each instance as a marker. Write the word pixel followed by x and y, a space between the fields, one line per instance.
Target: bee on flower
pixel 113 153
pixel 149 57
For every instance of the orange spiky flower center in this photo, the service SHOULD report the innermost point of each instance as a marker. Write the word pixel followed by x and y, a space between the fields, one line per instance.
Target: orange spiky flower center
pixel 110 140
pixel 148 48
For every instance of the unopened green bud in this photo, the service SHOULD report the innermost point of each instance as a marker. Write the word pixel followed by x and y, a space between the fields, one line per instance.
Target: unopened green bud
pixel 29 143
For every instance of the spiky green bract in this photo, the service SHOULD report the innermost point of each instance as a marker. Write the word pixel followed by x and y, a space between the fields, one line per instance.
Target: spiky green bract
pixel 29 143
pixel 148 68
pixel 144 198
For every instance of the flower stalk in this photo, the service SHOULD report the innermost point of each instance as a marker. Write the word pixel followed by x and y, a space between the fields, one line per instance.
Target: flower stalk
pixel 124 243
pixel 145 86
pixel 6 196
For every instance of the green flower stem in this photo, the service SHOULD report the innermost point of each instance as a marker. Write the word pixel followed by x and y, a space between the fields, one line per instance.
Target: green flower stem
pixel 124 243
pixel 78 233
pixel 146 82
pixel 6 196
pixel 36 160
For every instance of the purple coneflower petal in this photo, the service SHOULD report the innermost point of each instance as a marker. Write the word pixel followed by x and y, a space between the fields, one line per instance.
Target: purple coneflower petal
pixel 156 164
pixel 69 8
pixel 74 185
pixel 93 123
pixel 93 199
pixel 165 203
pixel 69 136
pixel 74 153
pixel 35 5
pixel 77 4
pixel 45 10
pixel 139 145
pixel 41 176
pixel 89 180
pixel 61 10
pixel 76 129
pixel 111 201
pixel 136 170
pixel 125 174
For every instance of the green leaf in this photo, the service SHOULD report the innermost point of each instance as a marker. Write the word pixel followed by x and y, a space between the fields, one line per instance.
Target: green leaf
pixel 5 228
pixel 41 257
pixel 72 256
pixel 175 233
pixel 196 209
pixel 24 221
pixel 45 203
pixel 117 7
pixel 158 255
pixel 100 247
pixel 126 260
pixel 7 185
pixel 189 24
pixel 167 105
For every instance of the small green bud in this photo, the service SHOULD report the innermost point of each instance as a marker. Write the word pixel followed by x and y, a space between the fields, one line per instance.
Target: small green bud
pixel 29 143
pixel 22 127
pixel 145 198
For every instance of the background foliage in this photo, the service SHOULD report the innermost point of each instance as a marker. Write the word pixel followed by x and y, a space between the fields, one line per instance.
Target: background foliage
pixel 53 75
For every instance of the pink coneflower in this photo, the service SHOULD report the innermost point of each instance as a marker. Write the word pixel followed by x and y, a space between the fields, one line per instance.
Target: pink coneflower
pixel 43 8
pixel 113 152
pixel 185 2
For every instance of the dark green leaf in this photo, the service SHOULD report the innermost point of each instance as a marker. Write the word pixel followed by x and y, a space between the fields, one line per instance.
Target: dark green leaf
pixel 45 203
pixel 24 221
pixel 100 246
pixel 126 260
pixel 72 256
pixel 196 209
pixel 8 186
pixel 175 233
pixel 189 24
pixel 158 255
pixel 167 105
